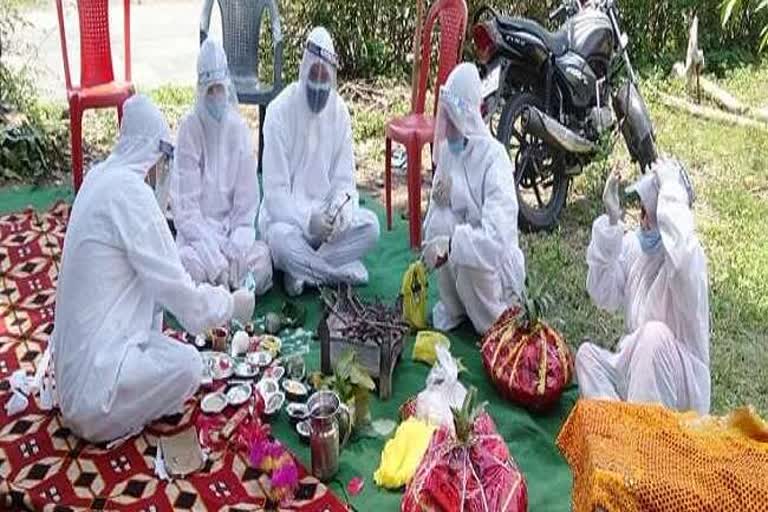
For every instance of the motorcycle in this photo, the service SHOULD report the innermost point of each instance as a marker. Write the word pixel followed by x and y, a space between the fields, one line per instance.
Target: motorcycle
pixel 555 98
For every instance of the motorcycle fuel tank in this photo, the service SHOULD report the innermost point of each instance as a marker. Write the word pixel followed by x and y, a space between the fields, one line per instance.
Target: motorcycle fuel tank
pixel 525 49
pixel 591 36
pixel 579 77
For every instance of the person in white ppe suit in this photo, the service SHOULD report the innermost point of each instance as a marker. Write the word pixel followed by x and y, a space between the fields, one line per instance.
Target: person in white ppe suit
pixel 214 188
pixel 310 216
pixel 115 371
pixel 471 224
pixel 658 276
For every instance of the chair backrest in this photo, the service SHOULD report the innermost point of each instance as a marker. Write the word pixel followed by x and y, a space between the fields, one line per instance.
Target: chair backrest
pixel 95 47
pixel 452 17
pixel 241 31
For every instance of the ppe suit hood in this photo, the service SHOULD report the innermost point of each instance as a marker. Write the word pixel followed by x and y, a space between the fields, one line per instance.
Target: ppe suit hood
pixel 213 69
pixel 458 111
pixel 141 133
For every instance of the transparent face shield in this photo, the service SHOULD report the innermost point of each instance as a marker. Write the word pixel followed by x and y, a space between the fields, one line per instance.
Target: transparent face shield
pixel 454 116
pixel 317 76
pixel 159 177
pixel 215 92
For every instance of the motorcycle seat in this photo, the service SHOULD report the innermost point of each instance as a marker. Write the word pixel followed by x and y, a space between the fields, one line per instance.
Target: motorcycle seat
pixel 557 42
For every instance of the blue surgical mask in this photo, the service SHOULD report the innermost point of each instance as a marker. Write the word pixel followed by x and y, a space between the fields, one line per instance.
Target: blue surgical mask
pixel 317 95
pixel 650 240
pixel 216 106
pixel 457 145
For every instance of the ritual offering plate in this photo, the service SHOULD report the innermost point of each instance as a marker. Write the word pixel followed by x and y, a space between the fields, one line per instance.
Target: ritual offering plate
pixel 295 390
pixel 297 412
pixel 274 372
pixel 304 431
pixel 273 344
pixel 213 403
pixel 267 388
pixel 246 370
pixel 218 364
pixel 239 394
pixel 261 358
pixel 274 404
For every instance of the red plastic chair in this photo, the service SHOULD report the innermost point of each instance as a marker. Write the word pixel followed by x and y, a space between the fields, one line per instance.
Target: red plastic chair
pixel 417 128
pixel 98 87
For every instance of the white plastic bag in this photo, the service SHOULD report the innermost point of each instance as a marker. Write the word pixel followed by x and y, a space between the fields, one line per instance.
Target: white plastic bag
pixel 443 391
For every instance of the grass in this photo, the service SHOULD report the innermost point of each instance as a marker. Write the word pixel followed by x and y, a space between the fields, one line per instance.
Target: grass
pixel 729 169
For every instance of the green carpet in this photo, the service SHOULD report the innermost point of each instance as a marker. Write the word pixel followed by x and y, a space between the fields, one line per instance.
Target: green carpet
pixel 530 437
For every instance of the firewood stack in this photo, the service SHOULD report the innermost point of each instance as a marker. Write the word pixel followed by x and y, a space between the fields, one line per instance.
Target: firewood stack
pixel 375 330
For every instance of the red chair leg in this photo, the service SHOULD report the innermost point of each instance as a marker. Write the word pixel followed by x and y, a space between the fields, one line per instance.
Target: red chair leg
pixel 388 180
pixel 414 195
pixel 119 115
pixel 75 134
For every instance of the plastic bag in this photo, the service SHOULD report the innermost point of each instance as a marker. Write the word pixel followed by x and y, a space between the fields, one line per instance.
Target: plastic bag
pixel 443 391
pixel 426 344
pixel 414 291
pixel 402 454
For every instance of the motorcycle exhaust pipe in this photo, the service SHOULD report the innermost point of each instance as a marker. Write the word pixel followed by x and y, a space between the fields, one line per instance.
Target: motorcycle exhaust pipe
pixel 554 133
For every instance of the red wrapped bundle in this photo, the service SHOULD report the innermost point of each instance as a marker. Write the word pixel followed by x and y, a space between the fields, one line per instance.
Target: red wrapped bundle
pixel 469 470
pixel 528 361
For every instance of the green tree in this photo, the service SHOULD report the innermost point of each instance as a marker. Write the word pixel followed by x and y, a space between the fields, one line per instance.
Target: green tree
pixel 746 8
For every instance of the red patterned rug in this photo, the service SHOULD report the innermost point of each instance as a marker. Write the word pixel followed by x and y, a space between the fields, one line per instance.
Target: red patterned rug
pixel 42 465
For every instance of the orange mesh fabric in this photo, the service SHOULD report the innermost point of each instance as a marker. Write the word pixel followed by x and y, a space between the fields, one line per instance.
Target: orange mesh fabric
pixel 628 457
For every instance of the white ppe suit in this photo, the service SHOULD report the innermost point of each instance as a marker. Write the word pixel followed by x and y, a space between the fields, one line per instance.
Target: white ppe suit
pixel 664 356
pixel 485 268
pixel 214 188
pixel 115 371
pixel 308 165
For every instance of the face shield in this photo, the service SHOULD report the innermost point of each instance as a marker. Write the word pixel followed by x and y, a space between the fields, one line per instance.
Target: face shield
pixel 317 76
pixel 459 119
pixel 215 91
pixel 159 177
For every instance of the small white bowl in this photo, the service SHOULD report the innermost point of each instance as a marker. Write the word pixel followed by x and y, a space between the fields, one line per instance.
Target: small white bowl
pixel 274 372
pixel 213 403
pixel 267 388
pixel 246 370
pixel 239 394
pixel 260 358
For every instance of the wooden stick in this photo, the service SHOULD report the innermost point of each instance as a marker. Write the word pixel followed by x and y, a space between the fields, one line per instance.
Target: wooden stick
pixel 710 114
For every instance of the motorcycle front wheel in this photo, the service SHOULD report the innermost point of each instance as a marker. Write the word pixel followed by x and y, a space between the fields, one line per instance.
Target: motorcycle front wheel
pixel 540 179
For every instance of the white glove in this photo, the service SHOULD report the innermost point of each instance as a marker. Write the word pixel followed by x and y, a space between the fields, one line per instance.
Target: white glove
pixel 320 226
pixel 611 197
pixel 435 251
pixel 441 191
pixel 244 302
